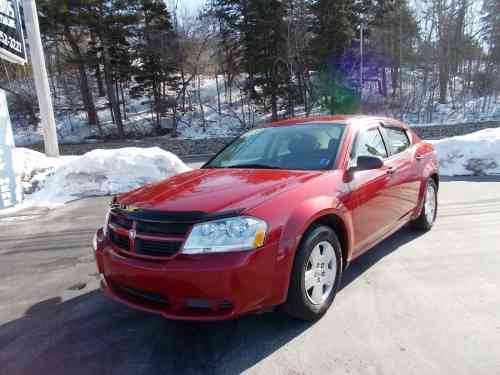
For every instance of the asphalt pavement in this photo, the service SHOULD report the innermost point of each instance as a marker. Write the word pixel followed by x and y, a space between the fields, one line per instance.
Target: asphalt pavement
pixel 416 304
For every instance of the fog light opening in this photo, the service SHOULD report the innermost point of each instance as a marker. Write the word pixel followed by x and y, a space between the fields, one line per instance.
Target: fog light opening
pixel 225 305
pixel 198 303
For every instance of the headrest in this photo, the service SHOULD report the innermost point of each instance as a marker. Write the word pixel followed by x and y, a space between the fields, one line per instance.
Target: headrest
pixel 303 144
pixel 333 144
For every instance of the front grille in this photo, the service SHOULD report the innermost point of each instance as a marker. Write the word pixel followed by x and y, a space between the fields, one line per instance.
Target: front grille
pixel 140 296
pixel 119 240
pixel 172 229
pixel 121 221
pixel 167 235
pixel 157 248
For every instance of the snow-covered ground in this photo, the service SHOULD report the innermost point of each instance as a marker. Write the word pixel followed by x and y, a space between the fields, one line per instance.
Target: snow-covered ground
pixel 480 109
pixel 49 182
pixel 233 117
pixel 230 121
pixel 471 154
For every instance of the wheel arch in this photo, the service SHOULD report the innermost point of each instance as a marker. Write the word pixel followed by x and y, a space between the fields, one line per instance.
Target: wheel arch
pixel 435 177
pixel 336 223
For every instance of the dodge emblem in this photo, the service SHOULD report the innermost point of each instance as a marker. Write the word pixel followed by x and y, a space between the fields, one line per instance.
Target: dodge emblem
pixel 132 233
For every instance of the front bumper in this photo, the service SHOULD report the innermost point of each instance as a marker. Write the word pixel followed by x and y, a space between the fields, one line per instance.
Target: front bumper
pixel 192 287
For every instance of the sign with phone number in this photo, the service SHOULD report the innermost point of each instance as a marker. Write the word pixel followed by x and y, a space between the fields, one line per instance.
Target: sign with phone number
pixel 12 46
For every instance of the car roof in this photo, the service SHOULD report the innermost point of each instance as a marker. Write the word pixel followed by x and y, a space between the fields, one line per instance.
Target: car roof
pixel 354 120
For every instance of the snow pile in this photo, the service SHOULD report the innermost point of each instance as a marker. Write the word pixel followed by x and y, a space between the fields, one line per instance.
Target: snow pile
pixel 52 181
pixel 471 154
pixel 32 168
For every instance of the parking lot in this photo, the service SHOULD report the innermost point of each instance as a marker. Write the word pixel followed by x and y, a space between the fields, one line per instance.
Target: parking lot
pixel 416 304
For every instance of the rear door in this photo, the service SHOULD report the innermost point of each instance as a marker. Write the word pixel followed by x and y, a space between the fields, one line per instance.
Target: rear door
pixel 403 183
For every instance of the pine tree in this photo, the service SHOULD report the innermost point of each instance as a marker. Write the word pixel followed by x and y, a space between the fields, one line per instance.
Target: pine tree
pixel 60 20
pixel 112 23
pixel 392 42
pixel 333 28
pixel 264 48
pixel 156 52
pixel 491 20
pixel 225 14
pixel 260 28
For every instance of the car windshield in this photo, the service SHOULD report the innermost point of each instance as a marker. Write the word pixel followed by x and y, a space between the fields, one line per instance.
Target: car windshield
pixel 311 146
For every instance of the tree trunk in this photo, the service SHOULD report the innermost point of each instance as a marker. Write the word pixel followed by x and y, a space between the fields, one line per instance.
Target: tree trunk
pixel 174 120
pixel 100 83
pixel 115 105
pixel 443 81
pixel 183 77
pixel 218 93
pixel 274 106
pixel 156 104
pixel 87 97
pixel 394 80
pixel 50 68
pixel 124 105
pixel 202 108
pixel 384 82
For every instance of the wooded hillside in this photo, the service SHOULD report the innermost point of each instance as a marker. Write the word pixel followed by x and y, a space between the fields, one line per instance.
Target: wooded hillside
pixel 267 60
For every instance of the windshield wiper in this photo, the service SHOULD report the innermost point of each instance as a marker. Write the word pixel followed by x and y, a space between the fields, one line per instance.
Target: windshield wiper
pixel 256 166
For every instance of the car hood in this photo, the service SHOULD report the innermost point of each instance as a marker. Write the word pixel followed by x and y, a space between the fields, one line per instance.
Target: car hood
pixel 216 190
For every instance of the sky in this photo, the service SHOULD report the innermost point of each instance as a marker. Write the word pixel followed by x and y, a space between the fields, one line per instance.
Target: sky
pixel 192 5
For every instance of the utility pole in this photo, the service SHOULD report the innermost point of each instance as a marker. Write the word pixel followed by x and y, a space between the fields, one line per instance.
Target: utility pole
pixel 361 59
pixel 41 79
pixel 401 60
pixel 361 67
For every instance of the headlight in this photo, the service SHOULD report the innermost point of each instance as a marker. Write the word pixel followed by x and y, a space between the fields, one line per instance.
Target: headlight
pixel 232 234
pixel 106 218
pixel 94 242
pixel 106 221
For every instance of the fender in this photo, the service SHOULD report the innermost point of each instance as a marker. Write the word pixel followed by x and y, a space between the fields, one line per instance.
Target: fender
pixel 301 218
pixel 430 167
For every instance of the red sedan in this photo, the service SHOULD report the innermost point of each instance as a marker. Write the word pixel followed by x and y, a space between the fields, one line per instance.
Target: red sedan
pixel 272 220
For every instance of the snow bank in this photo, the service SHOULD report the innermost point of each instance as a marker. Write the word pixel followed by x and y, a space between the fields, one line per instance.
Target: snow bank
pixel 53 181
pixel 33 168
pixel 471 154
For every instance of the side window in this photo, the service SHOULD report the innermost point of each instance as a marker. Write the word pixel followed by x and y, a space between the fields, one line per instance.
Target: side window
pixel 370 143
pixel 398 140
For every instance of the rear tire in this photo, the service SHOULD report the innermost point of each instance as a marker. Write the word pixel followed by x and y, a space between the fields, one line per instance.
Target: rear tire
pixel 429 210
pixel 316 274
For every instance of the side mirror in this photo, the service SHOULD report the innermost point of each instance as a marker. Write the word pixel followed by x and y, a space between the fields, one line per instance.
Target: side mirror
pixel 366 163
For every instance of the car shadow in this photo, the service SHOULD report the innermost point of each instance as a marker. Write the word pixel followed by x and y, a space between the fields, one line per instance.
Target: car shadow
pixel 90 334
pixel 371 257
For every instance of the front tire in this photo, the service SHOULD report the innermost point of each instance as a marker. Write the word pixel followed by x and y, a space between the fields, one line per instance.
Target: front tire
pixel 429 210
pixel 316 274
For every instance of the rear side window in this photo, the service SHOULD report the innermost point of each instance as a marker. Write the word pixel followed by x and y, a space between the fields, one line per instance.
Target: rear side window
pixel 398 140
pixel 370 143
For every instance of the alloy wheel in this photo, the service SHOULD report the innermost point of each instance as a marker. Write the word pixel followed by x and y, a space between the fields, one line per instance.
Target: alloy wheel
pixel 320 273
pixel 430 203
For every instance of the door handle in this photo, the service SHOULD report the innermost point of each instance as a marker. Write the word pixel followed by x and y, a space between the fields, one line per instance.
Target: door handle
pixel 391 171
pixel 419 157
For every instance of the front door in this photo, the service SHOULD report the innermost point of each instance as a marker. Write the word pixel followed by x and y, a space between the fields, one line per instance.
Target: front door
pixel 372 213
